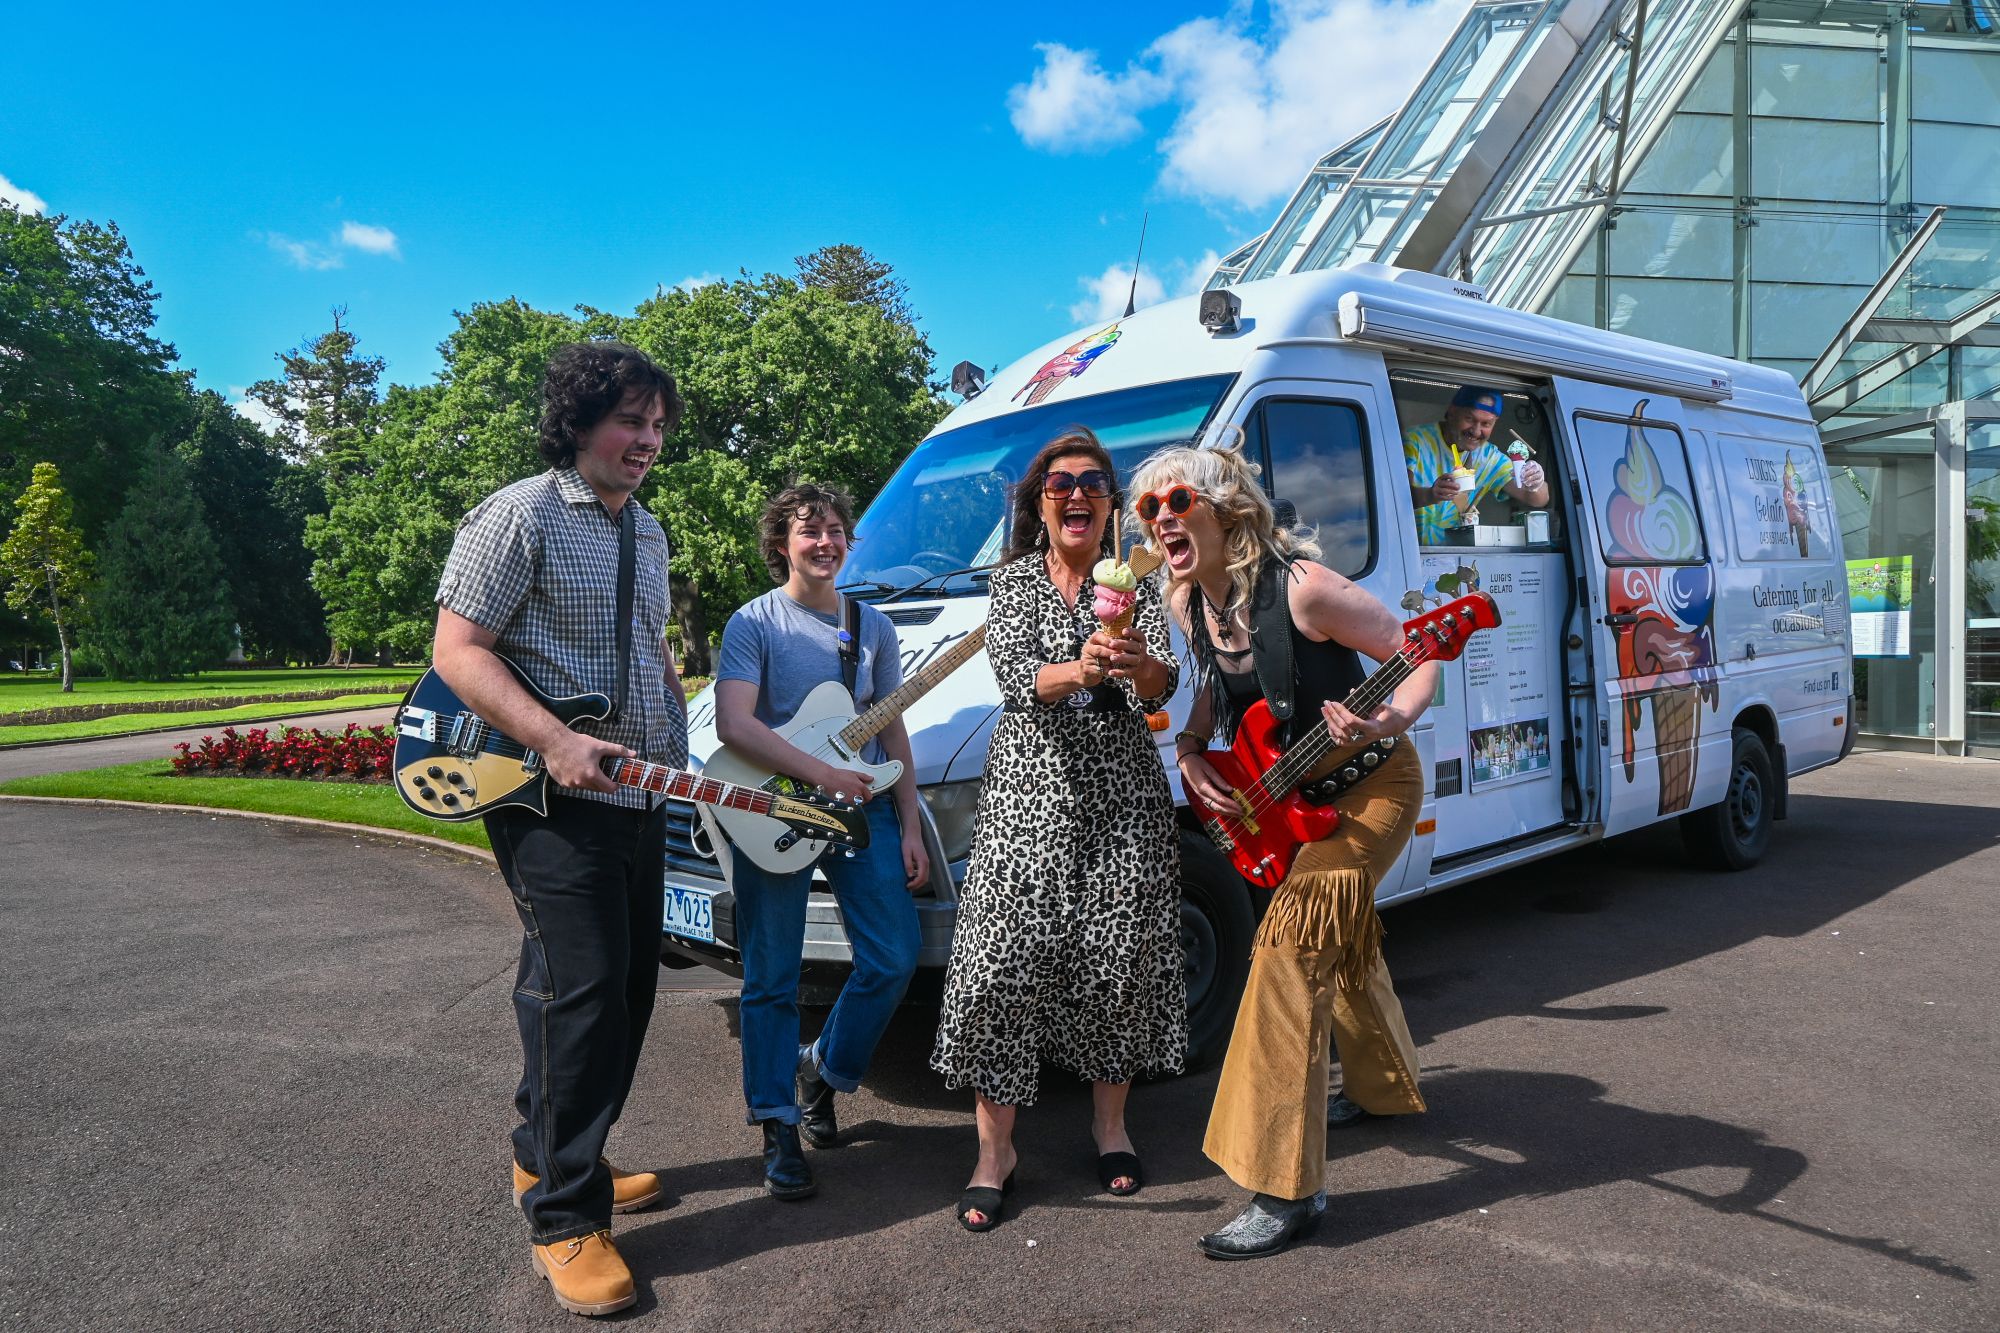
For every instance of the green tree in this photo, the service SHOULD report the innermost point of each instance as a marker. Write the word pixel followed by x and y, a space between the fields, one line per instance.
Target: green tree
pixel 322 402
pixel 256 504
pixel 161 605
pixel 853 275
pixel 44 560
pixel 83 382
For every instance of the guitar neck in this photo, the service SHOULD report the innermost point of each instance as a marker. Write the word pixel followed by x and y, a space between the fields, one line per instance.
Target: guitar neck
pixel 886 710
pixel 1298 762
pixel 687 786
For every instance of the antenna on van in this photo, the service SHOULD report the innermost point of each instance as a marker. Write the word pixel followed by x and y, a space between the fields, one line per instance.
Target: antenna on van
pixel 1132 297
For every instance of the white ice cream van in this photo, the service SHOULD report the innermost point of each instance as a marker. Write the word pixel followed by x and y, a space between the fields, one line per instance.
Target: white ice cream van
pixel 1674 639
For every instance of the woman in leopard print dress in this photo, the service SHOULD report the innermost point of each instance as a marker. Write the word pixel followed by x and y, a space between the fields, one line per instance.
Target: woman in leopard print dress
pixel 1068 939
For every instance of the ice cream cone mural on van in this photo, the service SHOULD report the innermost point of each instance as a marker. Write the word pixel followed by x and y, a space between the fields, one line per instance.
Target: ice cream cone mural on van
pixel 1067 365
pixel 1666 649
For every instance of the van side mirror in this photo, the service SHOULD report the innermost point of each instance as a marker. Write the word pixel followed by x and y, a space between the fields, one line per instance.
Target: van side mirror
pixel 967 380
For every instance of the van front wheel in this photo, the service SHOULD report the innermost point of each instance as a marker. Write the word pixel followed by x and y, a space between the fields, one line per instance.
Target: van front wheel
pixel 1733 833
pixel 1217 929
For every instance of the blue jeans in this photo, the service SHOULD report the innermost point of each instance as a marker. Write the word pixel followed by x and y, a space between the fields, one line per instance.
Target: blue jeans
pixel 881 924
pixel 587 886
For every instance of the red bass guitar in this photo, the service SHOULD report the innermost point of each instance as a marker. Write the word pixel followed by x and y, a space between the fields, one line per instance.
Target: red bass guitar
pixel 1270 820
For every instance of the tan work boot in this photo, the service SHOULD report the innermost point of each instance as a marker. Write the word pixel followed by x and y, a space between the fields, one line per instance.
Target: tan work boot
pixel 586 1274
pixel 630 1190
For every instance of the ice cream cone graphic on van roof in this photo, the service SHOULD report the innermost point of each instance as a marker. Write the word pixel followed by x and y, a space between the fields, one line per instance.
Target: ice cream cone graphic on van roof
pixel 1067 364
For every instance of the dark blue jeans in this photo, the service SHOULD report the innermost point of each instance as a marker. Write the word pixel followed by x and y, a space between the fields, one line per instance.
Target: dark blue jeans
pixel 587 885
pixel 881 925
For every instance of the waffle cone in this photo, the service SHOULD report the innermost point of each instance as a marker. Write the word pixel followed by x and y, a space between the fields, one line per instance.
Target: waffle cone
pixel 1119 624
pixel 1676 724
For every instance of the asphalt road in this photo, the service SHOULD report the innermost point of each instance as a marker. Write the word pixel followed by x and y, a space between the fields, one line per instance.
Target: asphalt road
pixel 260 1077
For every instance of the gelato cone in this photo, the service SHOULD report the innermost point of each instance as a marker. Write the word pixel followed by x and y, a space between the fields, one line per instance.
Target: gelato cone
pixel 1519 453
pixel 1117 592
pixel 1676 724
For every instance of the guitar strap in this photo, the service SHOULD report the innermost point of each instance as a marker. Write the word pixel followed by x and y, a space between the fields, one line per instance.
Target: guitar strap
pixel 850 643
pixel 627 577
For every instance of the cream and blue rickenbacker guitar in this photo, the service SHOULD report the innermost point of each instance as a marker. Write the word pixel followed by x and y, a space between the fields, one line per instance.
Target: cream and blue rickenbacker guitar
pixel 826 728
pixel 452 764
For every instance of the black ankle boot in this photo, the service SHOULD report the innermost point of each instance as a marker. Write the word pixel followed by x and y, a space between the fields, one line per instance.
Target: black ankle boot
pixel 1267 1226
pixel 815 1095
pixel 786 1174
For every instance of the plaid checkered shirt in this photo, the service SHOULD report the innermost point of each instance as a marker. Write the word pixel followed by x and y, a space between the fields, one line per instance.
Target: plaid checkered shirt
pixel 536 563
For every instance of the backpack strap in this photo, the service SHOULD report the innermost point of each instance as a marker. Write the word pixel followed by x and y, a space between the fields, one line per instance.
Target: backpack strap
pixel 850 643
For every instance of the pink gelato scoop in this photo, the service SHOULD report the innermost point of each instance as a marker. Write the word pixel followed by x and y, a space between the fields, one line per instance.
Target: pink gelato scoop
pixel 1111 603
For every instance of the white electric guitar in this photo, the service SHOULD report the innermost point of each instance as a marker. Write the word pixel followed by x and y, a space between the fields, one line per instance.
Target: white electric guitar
pixel 826 728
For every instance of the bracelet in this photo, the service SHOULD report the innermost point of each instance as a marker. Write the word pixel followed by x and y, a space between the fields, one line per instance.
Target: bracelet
pixel 1200 740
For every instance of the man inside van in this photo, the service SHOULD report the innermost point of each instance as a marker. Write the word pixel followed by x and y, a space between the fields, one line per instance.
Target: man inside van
pixel 1454 465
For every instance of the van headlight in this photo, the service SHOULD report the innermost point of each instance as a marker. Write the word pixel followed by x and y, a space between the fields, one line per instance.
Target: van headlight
pixel 952 806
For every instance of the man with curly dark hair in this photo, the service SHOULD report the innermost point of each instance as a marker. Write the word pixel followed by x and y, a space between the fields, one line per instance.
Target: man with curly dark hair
pixel 534 576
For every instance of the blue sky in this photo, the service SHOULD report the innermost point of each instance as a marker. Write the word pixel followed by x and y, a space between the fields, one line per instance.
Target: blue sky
pixel 270 162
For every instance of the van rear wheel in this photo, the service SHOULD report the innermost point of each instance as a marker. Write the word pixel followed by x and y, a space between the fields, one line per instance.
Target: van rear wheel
pixel 1217 929
pixel 1733 833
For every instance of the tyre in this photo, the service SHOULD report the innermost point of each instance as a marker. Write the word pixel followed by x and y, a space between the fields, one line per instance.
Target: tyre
pixel 1733 833
pixel 1217 929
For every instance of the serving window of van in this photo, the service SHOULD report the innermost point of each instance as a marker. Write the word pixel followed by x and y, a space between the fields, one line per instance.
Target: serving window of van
pixel 1314 454
pixel 1481 466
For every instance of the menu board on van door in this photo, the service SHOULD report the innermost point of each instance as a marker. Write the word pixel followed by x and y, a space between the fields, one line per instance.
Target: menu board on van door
pixel 1879 588
pixel 1777 497
pixel 1506 670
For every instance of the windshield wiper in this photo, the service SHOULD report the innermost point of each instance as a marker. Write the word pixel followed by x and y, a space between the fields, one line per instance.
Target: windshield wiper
pixel 927 581
pixel 867 586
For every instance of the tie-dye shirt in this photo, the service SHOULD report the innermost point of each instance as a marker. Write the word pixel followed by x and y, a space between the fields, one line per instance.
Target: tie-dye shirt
pixel 1428 457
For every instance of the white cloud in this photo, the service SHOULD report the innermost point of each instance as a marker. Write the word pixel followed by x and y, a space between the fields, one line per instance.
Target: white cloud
pixel 373 240
pixel 1104 296
pixel 250 409
pixel 1071 105
pixel 1195 276
pixel 1252 111
pixel 26 201
pixel 696 281
pixel 318 256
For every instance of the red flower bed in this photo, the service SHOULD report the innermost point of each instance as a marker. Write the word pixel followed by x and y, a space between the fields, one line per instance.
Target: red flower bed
pixel 359 754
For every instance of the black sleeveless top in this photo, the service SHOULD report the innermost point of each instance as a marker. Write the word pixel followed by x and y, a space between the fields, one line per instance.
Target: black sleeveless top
pixel 1290 672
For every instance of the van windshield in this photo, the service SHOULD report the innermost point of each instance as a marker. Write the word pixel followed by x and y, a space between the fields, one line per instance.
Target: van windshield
pixel 945 509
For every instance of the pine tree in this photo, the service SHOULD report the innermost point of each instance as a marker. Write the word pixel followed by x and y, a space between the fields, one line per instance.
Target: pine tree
pixel 44 561
pixel 161 606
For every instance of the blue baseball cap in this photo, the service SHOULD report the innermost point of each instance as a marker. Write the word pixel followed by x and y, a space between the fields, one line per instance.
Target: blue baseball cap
pixel 1478 399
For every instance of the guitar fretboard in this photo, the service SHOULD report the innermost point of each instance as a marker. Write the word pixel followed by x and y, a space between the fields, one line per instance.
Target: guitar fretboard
pixel 689 787
pixel 887 709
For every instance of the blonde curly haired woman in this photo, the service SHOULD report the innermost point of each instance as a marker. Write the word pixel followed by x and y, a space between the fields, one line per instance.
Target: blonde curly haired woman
pixel 1265 622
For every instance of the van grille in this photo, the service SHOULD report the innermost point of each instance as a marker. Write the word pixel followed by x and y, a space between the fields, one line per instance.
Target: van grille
pixel 687 841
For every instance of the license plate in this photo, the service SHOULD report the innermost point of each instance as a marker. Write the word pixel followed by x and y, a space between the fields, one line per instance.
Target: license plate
pixel 690 913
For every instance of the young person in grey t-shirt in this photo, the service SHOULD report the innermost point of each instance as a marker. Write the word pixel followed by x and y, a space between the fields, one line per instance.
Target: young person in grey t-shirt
pixel 774 652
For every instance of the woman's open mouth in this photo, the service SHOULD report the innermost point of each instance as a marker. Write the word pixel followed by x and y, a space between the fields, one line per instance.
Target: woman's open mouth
pixel 1076 522
pixel 1178 549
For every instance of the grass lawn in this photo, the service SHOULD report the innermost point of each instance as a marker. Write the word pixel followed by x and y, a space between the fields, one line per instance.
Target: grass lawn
pixel 19 693
pixel 154 782
pixel 124 723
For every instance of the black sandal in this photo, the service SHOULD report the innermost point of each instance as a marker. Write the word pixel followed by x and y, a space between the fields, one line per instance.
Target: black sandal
pixel 984 1199
pixel 1112 1165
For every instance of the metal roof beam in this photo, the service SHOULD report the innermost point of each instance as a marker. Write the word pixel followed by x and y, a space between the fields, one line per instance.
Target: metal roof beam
pixel 1850 332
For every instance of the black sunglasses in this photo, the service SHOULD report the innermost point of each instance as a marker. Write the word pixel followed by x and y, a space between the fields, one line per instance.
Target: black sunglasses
pixel 1094 483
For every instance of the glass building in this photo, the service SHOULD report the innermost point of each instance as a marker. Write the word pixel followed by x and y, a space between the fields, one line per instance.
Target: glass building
pixel 1813 185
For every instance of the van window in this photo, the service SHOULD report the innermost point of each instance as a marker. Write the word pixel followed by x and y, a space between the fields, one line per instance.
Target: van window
pixel 1637 472
pixel 1315 457
pixel 1491 440
pixel 1777 498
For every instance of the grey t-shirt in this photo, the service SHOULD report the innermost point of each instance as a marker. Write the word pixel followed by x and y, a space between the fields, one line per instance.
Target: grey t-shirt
pixel 786 650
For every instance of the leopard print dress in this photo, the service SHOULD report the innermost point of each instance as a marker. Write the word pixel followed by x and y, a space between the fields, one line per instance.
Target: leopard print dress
pixel 1068 939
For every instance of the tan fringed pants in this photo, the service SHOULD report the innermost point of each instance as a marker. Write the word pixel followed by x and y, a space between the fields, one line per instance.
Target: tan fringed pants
pixel 1316 972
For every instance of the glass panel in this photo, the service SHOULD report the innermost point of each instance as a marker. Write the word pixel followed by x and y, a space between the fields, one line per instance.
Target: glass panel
pixel 1821 248
pixel 1954 164
pixel 1978 372
pixel 1637 472
pixel 1695 155
pixel 1318 462
pixel 1982 585
pixel 1815 159
pixel 1798 319
pixel 1699 315
pixel 1715 90
pixel 1826 83
pixel 1575 300
pixel 1956 85
pixel 1885 494
pixel 1672 244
